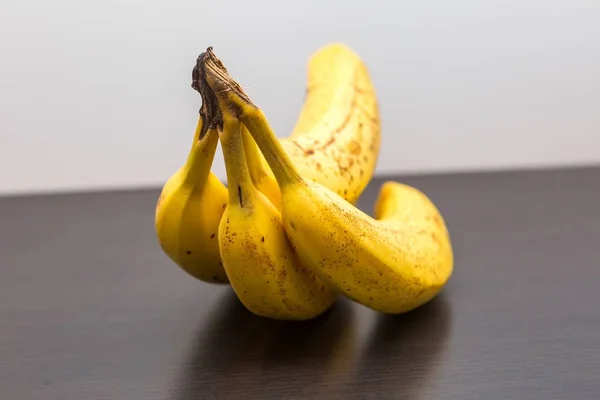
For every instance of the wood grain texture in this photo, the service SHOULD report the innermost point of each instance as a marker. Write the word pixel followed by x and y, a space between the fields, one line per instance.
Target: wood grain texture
pixel 91 309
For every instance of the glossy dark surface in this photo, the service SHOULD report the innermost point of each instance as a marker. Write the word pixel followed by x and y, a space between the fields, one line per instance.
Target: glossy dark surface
pixel 91 309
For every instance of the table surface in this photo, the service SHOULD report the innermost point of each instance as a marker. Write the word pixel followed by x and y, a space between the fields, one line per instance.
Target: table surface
pixel 90 308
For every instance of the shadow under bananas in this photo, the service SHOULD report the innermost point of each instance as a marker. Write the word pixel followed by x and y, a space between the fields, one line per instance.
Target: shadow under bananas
pixel 401 353
pixel 238 355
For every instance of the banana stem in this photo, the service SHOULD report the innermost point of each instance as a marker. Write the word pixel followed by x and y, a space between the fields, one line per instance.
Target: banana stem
pixel 223 97
pixel 239 184
pixel 201 155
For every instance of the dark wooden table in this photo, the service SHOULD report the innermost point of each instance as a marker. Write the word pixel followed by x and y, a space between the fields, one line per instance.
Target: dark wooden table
pixel 91 309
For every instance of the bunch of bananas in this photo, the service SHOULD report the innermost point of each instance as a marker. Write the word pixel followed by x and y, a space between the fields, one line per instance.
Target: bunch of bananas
pixel 285 232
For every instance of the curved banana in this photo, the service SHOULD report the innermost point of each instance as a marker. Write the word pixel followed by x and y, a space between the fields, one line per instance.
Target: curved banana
pixel 337 137
pixel 189 210
pixel 262 267
pixel 391 266
pixel 339 115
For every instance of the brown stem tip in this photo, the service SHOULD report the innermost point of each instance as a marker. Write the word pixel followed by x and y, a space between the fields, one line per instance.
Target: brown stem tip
pixel 208 65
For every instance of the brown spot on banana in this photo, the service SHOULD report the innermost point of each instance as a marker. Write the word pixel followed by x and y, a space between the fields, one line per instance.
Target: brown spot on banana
pixel 359 90
pixel 330 141
pixel 354 147
pixel 302 149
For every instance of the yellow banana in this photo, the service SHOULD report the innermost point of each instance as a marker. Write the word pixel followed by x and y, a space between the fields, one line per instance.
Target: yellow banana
pixel 392 265
pixel 262 267
pixel 189 209
pixel 337 136
pixel 339 115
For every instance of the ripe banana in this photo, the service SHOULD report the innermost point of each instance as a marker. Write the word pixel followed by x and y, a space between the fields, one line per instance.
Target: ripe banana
pixel 189 209
pixel 262 267
pixel 392 266
pixel 337 136
pixel 340 114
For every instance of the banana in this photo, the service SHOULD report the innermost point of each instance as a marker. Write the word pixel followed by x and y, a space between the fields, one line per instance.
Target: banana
pixel 340 113
pixel 262 267
pixel 337 137
pixel 189 210
pixel 392 265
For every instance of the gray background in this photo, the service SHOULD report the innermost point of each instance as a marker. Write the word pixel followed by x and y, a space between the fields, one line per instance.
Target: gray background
pixel 97 94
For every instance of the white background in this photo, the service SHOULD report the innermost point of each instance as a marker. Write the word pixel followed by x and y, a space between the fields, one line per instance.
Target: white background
pixel 96 94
